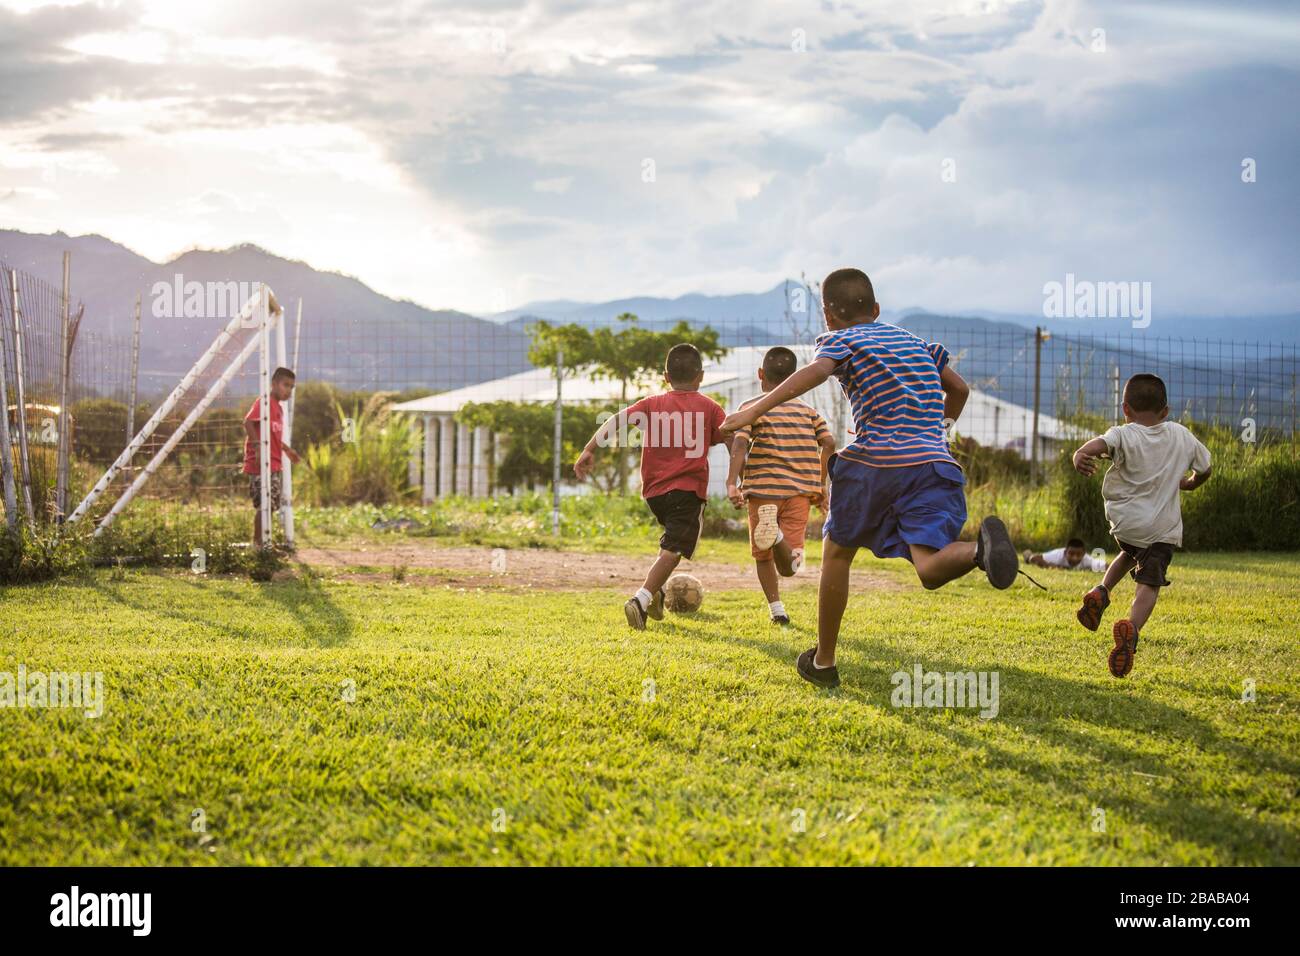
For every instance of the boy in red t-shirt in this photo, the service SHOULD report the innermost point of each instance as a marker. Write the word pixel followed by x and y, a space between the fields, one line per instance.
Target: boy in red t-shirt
pixel 677 429
pixel 282 382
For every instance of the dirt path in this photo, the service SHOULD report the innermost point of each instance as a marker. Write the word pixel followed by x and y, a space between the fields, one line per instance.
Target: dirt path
pixel 532 568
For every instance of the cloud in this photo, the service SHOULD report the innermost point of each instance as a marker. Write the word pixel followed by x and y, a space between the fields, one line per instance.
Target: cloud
pixel 783 138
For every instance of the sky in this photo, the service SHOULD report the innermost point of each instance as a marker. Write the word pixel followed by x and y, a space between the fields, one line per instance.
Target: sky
pixel 486 154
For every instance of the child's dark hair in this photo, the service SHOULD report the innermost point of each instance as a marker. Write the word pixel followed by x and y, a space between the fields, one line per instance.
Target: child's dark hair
pixel 282 372
pixel 849 294
pixel 778 364
pixel 1146 393
pixel 683 364
pixel 1075 543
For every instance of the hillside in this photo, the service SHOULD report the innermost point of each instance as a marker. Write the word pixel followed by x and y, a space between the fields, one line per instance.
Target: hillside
pixel 352 335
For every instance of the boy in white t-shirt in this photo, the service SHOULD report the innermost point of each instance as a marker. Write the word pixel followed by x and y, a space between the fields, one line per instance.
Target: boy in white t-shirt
pixel 1073 557
pixel 1150 458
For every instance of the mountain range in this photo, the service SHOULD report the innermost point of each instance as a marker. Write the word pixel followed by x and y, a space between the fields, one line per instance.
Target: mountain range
pixel 356 337
pixel 352 335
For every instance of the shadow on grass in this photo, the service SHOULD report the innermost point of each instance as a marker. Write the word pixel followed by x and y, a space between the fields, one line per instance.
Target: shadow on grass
pixel 1178 810
pixel 323 623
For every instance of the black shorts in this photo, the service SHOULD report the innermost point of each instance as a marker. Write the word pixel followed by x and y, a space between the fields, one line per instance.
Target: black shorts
pixel 682 515
pixel 1152 562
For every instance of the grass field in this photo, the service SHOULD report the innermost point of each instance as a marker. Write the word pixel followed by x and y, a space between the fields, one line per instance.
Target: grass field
pixel 533 711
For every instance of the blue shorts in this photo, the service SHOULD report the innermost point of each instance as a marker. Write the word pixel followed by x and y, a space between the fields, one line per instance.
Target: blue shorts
pixel 887 509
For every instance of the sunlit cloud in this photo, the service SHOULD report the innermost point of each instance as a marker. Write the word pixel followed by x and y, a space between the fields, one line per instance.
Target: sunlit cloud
pixel 448 152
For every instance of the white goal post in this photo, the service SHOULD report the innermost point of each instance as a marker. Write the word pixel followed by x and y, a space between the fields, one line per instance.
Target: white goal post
pixel 262 314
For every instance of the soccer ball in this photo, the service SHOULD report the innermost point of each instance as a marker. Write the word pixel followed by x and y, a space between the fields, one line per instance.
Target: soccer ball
pixel 683 594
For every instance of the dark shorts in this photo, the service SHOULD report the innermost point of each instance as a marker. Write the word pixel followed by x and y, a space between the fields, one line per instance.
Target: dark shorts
pixel 1152 562
pixel 682 515
pixel 255 489
pixel 888 509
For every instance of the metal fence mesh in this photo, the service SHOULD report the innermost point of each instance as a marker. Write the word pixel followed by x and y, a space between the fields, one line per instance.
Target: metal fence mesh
pixel 353 373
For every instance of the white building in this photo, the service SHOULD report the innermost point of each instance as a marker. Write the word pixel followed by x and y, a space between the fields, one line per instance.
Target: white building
pixel 455 458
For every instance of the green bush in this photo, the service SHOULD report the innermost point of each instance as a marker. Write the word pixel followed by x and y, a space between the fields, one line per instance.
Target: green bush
pixel 38 554
pixel 371 465
pixel 99 428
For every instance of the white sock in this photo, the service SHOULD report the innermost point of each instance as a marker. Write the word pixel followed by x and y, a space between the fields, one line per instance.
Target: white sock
pixel 643 598
pixel 777 608
pixel 819 667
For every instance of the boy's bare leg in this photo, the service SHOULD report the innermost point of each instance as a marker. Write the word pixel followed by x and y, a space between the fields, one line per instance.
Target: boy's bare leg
pixel 832 598
pixel 1121 566
pixel 768 579
pixel 661 570
pixel 1144 602
pixel 1097 600
pixel 783 555
pixel 936 568
pixel 257 528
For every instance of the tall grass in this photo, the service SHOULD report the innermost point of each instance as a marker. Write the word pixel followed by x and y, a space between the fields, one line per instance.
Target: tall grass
pixel 366 461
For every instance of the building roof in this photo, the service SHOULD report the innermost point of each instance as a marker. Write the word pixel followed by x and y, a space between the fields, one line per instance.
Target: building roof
pixel 989 420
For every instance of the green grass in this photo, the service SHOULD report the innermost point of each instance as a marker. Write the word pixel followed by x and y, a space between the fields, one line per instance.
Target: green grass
pixel 228 696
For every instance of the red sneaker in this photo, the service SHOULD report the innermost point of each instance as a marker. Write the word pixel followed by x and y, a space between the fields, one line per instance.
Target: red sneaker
pixel 1126 645
pixel 1094 603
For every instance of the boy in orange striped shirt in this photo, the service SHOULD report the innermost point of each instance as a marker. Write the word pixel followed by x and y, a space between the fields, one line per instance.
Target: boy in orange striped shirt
pixel 778 470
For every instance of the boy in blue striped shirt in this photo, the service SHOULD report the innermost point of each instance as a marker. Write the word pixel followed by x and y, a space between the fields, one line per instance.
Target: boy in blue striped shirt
pixel 895 489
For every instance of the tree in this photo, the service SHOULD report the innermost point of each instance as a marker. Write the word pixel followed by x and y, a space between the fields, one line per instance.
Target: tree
pixel 630 355
pixel 99 428
pixel 527 433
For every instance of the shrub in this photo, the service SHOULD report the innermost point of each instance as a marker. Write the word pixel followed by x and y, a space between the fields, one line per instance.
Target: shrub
pixel 371 466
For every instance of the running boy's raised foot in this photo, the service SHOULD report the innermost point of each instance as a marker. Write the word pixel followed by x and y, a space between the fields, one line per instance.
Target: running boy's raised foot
pixel 995 554
pixel 637 613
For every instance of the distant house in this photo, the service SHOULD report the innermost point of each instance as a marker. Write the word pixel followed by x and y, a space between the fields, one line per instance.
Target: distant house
pixel 455 459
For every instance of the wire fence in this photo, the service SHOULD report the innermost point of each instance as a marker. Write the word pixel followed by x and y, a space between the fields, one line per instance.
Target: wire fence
pixel 384 409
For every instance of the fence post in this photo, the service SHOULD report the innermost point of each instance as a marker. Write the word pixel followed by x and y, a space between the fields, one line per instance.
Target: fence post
pixel 559 442
pixel 65 357
pixel 6 448
pixel 133 392
pixel 1038 383
pixel 264 422
pixel 21 396
pixel 286 437
pixel 1114 394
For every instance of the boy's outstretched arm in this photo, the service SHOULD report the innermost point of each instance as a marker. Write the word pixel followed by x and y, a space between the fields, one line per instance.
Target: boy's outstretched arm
pixel 1085 459
pixel 582 467
pixel 805 379
pixel 1195 480
pixel 827 443
pixel 955 392
pixel 739 455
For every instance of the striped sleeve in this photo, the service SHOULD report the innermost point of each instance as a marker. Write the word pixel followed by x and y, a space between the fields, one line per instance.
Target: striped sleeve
pixel 832 346
pixel 819 425
pixel 939 354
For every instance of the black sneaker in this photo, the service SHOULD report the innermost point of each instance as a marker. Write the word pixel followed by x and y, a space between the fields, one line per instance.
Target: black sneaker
pixel 635 614
pixel 995 555
pixel 781 619
pixel 656 609
pixel 821 676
